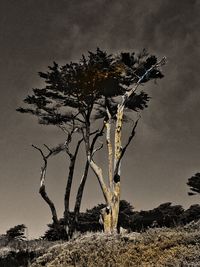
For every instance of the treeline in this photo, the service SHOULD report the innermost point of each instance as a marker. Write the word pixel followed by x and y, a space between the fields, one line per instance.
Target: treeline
pixel 165 215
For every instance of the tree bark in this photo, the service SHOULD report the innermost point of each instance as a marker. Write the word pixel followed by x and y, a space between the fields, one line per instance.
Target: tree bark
pixel 67 194
pixel 67 221
pixel 110 152
pixel 44 195
pixel 77 206
pixel 80 192
pixel 110 214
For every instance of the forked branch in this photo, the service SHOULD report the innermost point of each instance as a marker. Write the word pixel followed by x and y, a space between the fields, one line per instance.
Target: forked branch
pixel 123 150
pixel 42 189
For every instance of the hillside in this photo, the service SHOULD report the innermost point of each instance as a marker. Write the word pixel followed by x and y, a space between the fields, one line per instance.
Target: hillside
pixel 155 247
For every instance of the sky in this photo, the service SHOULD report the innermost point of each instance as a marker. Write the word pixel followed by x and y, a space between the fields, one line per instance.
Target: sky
pixel 166 150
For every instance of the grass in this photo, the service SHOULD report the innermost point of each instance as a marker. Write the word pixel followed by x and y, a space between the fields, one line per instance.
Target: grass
pixel 21 253
pixel 156 247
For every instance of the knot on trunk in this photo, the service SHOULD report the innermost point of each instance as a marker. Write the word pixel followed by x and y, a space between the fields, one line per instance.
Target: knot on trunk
pixel 116 178
pixel 105 218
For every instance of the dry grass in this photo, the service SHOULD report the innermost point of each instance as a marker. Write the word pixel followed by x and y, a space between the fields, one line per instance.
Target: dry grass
pixel 32 245
pixel 21 253
pixel 156 247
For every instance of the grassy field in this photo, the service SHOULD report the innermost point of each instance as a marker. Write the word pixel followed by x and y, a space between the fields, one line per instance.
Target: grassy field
pixel 22 253
pixel 156 247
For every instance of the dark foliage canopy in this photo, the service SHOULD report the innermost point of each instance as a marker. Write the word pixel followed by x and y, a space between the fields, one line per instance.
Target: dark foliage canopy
pixel 89 221
pixel 55 233
pixel 89 86
pixel 165 215
pixel 194 184
pixel 191 214
pixel 16 233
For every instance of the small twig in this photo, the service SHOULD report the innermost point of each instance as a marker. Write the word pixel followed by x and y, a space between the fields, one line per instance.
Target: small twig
pixel 40 150
pixel 50 150
pixel 45 157
pixel 63 129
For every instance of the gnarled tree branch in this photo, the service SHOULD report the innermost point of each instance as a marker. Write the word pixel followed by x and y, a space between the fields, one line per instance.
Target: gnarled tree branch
pixel 42 189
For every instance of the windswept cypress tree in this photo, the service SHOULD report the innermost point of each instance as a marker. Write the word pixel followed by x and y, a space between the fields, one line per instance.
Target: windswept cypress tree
pixel 104 87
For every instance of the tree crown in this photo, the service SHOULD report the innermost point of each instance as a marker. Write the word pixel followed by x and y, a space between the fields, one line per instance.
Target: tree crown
pixel 76 90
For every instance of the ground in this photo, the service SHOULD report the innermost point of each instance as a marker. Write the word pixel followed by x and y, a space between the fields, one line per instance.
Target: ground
pixel 156 247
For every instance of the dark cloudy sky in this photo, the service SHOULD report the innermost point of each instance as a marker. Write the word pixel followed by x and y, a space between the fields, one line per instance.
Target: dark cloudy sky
pixel 166 150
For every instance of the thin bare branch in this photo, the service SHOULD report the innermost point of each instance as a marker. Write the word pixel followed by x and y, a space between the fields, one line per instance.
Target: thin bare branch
pixel 48 148
pixel 63 129
pixel 123 150
pixel 130 137
pixel 98 134
pixel 40 150
pixel 96 149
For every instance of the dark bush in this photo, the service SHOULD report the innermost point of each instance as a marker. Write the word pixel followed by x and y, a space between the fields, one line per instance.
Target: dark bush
pixel 16 233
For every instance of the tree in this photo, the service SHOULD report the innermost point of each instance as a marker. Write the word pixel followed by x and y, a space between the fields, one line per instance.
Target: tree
pixel 163 215
pixel 89 221
pixel 132 78
pixel 191 214
pixel 194 184
pixel 16 233
pixel 68 223
pixel 101 87
pixel 54 233
pixel 125 214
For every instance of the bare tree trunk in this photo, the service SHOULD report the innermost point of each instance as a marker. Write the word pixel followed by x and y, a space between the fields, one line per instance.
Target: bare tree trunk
pixel 79 195
pixel 111 213
pixel 106 219
pixel 80 191
pixel 67 195
pixel 67 219
pixel 74 219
